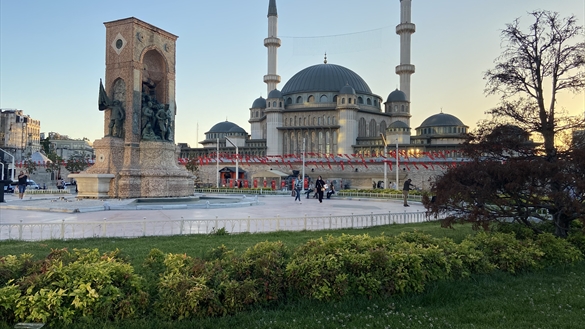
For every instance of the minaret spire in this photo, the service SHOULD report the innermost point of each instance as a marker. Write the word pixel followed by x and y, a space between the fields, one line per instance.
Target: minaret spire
pixel 405 29
pixel 272 42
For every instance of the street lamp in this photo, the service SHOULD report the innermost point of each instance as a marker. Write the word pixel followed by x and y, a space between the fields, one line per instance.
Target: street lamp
pixel 13 168
pixel 397 185
pixel 384 160
pixel 237 170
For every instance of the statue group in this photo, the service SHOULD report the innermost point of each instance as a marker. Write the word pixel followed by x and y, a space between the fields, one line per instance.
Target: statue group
pixel 156 119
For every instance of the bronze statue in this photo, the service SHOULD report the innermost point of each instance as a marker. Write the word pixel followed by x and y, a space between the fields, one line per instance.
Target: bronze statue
pixel 117 113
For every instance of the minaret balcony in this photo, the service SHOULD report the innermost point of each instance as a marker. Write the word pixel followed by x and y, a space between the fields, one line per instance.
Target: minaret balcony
pixel 272 41
pixel 272 78
pixel 405 68
pixel 403 28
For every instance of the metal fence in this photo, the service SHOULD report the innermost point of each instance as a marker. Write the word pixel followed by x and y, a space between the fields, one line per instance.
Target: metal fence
pixel 136 228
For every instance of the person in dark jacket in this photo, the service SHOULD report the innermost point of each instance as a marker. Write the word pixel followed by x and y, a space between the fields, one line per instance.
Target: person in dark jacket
pixel 22 182
pixel 320 187
pixel 405 189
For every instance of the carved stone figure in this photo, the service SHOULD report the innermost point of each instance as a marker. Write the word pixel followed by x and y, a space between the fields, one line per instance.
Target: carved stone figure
pixel 117 116
pixel 117 113
pixel 161 118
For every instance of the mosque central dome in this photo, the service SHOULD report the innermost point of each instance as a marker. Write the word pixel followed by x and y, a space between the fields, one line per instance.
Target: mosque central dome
pixel 324 78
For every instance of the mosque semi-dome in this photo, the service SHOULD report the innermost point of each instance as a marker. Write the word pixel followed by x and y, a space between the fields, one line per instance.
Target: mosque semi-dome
pixel 323 78
pixel 397 96
pixel 275 93
pixel 348 90
pixel 259 103
pixel 225 127
pixel 441 119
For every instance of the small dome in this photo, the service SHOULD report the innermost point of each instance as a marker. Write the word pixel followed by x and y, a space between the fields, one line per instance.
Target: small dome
pixel 224 127
pixel 237 129
pixel 347 89
pixel 397 96
pixel 275 94
pixel 398 124
pixel 441 119
pixel 259 103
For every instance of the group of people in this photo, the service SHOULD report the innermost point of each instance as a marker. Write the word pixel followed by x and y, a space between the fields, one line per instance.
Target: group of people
pixel 156 119
pixel 320 188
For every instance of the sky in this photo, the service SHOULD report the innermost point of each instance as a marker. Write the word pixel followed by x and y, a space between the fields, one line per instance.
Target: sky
pixel 52 54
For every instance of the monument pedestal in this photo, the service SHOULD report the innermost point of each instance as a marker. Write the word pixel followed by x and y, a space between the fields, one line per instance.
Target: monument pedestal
pixel 152 172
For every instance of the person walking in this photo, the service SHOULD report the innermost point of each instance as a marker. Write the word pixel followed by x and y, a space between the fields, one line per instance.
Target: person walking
pixel 405 189
pixel 22 182
pixel 298 187
pixel 320 187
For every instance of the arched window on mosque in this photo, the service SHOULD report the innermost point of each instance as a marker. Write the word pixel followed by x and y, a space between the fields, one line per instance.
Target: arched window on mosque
pixel 395 108
pixel 314 123
pixel 321 141
pixel 335 98
pixel 402 108
pixel 323 99
pixel 299 100
pixel 349 100
pixel 311 99
pixel 304 121
pixel 288 101
pixel 373 128
pixel 383 127
pixel 319 121
pixel 274 104
pixel 360 100
pixel 343 100
pixel 369 101
pixel 362 128
pixel 280 104
pixel 257 113
pixel 328 120
pixel 328 142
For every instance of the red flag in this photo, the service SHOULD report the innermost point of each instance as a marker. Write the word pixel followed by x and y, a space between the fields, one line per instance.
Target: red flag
pixel 341 164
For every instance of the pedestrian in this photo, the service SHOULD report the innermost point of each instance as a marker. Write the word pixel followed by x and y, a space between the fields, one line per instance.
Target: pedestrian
pixel 298 187
pixel 22 181
pixel 309 190
pixel 320 187
pixel 405 189
pixel 331 191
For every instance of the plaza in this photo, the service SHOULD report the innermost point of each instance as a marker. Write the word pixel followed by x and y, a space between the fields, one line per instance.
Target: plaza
pixel 39 217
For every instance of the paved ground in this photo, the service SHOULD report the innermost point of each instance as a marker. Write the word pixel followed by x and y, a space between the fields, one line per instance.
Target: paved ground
pixel 47 209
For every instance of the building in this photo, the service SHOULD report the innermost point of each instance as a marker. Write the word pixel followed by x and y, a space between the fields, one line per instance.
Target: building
pixel 19 134
pixel 68 148
pixel 327 109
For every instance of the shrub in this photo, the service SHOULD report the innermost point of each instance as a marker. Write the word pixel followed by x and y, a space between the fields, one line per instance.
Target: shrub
pixel 557 251
pixel 507 253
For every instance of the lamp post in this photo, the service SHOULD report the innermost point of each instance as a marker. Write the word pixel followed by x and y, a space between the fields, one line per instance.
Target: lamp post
pixel 303 177
pixel 217 164
pixel 384 161
pixel 13 168
pixel 397 168
pixel 237 170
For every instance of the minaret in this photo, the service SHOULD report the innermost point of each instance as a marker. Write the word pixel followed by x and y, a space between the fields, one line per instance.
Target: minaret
pixel 405 29
pixel 272 43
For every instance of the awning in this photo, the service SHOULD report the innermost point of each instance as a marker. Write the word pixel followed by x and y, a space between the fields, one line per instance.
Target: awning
pixel 270 174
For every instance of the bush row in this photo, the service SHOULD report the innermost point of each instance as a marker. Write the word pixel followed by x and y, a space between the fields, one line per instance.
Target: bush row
pixel 83 283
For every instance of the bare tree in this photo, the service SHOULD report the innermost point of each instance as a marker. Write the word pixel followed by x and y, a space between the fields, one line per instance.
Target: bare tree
pixel 510 177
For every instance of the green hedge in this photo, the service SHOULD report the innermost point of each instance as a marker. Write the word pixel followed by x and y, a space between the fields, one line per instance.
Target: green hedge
pixel 66 286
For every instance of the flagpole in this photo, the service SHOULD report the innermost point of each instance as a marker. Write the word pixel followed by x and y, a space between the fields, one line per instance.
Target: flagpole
pixel 217 164
pixel 303 177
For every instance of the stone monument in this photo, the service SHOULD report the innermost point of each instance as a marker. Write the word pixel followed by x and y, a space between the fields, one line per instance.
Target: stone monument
pixel 137 157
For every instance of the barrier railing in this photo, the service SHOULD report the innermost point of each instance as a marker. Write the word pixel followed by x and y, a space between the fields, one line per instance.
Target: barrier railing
pixel 78 230
pixel 342 193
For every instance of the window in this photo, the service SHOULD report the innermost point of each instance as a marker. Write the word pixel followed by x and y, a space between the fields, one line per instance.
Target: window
pixel 335 98
pixel 343 100
pixel 288 101
pixel 323 99
pixel 373 128
pixel 362 128
pixel 360 100
pixel 402 109
pixel 311 99
pixel 299 100
pixel 395 108
pixel 349 101
pixel 274 104
pixel 369 101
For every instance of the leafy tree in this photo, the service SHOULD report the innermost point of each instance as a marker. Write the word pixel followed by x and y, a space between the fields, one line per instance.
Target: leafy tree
pixel 30 165
pixel 77 163
pixel 193 167
pixel 509 177
pixel 46 146
pixel 54 165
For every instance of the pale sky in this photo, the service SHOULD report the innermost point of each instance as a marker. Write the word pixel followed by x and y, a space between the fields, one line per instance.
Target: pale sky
pixel 52 54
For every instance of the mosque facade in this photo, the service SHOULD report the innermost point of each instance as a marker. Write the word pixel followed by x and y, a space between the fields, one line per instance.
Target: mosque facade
pixel 329 110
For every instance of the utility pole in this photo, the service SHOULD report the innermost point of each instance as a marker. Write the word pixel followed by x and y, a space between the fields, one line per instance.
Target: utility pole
pixel 237 170
pixel 384 161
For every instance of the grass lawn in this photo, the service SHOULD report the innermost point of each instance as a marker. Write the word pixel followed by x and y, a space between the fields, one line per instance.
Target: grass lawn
pixel 551 298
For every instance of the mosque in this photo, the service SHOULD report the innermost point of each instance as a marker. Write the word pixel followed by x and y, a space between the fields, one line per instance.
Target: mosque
pixel 329 110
